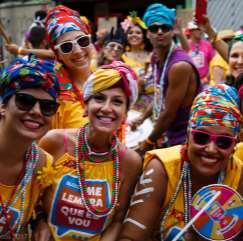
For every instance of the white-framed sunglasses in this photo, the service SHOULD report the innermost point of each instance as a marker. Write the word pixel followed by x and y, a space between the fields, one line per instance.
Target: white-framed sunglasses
pixel 67 47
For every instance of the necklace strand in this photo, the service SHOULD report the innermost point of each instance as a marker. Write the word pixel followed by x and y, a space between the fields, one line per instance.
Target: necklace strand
pixel 19 192
pixel 186 182
pixel 83 152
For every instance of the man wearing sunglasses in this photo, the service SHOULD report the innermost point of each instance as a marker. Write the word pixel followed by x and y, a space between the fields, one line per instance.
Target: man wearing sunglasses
pixel 175 78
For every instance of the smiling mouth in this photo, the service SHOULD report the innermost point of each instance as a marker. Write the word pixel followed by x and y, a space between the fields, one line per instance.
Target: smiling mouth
pixel 32 124
pixel 106 120
pixel 209 161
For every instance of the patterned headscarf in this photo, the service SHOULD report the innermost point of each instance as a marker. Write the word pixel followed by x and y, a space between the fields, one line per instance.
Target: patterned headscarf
pixel 107 76
pixel 61 20
pixel 33 73
pixel 159 13
pixel 216 106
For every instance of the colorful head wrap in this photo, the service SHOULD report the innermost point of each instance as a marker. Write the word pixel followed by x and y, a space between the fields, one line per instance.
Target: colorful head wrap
pixel 61 20
pixel 216 106
pixel 159 13
pixel 33 73
pixel 132 20
pixel 107 76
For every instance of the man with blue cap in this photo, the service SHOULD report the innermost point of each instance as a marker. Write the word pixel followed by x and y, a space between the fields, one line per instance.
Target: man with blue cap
pixel 176 81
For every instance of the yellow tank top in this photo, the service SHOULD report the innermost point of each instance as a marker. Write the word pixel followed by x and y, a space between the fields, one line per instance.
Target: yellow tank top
pixel 171 159
pixel 32 193
pixel 68 218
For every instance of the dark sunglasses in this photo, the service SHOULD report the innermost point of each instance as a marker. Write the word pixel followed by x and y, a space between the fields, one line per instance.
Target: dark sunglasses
pixel 26 102
pixel 67 46
pixel 202 138
pixel 154 28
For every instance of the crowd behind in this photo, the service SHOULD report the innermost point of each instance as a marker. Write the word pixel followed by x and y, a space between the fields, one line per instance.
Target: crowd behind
pixel 66 169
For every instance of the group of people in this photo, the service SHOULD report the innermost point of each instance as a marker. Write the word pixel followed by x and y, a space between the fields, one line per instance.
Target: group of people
pixel 65 171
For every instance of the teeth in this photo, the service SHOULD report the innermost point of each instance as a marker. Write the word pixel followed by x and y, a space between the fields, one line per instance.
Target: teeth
pixel 105 119
pixel 209 159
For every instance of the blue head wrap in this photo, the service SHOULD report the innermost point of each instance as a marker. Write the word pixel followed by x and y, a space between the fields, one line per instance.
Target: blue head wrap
pixel 159 13
pixel 25 74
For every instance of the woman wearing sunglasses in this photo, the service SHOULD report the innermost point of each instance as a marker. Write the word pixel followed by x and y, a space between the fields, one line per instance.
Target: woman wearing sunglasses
pixel 173 175
pixel 95 174
pixel 69 38
pixel 28 100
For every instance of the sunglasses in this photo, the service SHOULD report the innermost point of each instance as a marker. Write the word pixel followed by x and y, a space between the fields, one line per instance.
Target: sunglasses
pixel 154 28
pixel 26 102
pixel 67 46
pixel 202 138
pixel 115 46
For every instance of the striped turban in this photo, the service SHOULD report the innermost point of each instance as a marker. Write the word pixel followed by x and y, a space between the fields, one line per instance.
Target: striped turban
pixel 26 74
pixel 107 76
pixel 61 20
pixel 216 106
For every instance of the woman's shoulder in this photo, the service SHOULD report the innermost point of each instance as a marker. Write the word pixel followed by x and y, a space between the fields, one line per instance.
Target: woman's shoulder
pixel 130 158
pixel 58 141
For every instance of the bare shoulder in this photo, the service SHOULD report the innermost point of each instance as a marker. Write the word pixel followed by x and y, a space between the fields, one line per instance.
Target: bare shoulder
pixel 157 169
pixel 131 160
pixel 181 66
pixel 54 141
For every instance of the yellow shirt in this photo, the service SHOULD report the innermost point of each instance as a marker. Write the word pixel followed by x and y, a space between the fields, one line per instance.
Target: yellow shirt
pixel 32 193
pixel 171 159
pixel 68 218
pixel 220 62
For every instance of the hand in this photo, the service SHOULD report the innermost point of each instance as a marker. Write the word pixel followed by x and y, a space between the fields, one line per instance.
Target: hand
pixel 12 48
pixel 136 122
pixel 42 231
pixel 206 27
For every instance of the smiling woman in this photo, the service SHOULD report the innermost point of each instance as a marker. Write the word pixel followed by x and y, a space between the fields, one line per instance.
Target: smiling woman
pixel 92 165
pixel 172 176
pixel 28 100
pixel 69 38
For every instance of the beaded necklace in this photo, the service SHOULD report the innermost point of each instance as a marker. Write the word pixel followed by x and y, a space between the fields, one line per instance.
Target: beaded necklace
pixel 19 191
pixel 184 182
pixel 82 153
pixel 158 105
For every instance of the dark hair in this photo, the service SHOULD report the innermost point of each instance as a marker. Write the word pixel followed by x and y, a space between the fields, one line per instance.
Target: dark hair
pixel 115 36
pixel 40 15
pixel 36 35
pixel 147 45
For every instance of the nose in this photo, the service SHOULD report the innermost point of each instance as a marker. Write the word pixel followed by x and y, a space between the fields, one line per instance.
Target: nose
pixel 76 48
pixel 106 107
pixel 160 30
pixel 36 109
pixel 211 147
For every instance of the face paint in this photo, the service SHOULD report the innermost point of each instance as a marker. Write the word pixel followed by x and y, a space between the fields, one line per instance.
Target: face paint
pixel 142 181
pixel 136 223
